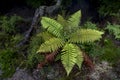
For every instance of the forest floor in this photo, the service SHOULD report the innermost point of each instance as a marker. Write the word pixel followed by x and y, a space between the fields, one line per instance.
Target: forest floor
pixel 55 71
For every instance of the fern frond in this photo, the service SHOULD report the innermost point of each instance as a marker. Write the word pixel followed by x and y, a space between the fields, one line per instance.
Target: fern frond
pixel 51 45
pixel 79 57
pixel 52 26
pixel 85 35
pixel 74 20
pixel 45 35
pixel 62 21
pixel 68 57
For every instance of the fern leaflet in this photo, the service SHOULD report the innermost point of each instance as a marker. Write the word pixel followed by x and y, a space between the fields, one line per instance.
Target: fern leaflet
pixel 74 20
pixel 79 57
pixel 52 26
pixel 68 58
pixel 85 35
pixel 45 35
pixel 62 21
pixel 51 45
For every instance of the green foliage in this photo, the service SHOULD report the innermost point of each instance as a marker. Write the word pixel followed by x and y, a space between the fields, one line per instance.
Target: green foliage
pixel 33 59
pixel 8 24
pixel 85 35
pixel 9 60
pixel 45 35
pixel 64 37
pixel 7 40
pixel 4 40
pixel 62 21
pixel 109 52
pixel 114 29
pixel 107 7
pixel 117 15
pixel 51 45
pixel 52 26
pixel 90 25
pixel 71 54
pixel 74 19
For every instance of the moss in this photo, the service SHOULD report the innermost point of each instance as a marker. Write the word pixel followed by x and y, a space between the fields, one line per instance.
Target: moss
pixel 9 61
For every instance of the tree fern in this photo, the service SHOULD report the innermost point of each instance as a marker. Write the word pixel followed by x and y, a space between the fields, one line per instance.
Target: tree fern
pixel 69 54
pixel 51 45
pixel 52 26
pixel 85 35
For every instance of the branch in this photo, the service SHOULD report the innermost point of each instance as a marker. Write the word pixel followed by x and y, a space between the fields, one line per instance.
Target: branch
pixel 42 10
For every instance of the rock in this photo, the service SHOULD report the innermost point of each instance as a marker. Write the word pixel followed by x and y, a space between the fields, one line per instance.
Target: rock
pixel 103 71
pixel 21 74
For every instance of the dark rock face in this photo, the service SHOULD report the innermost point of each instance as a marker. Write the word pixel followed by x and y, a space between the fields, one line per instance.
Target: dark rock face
pixel 87 7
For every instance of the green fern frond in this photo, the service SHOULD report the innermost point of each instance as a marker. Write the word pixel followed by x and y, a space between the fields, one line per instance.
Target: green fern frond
pixel 51 45
pixel 68 57
pixel 79 57
pixel 62 21
pixel 74 20
pixel 85 35
pixel 52 26
pixel 45 35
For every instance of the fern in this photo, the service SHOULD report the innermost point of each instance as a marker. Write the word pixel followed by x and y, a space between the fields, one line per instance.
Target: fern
pixel 62 21
pixel 74 19
pixel 65 33
pixel 85 35
pixel 45 35
pixel 90 25
pixel 114 29
pixel 51 45
pixel 79 57
pixel 52 26
pixel 69 54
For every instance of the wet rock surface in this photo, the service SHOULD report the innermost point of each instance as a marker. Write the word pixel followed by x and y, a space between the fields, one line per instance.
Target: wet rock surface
pixel 103 71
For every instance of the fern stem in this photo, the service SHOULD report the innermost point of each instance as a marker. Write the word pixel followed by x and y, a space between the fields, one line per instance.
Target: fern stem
pixel 88 62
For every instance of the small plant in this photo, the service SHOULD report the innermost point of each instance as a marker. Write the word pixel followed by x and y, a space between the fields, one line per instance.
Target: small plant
pixel 90 25
pixel 63 35
pixel 9 61
pixel 9 57
pixel 8 23
pixel 114 29
pixel 108 7
pixel 109 52
pixel 33 58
